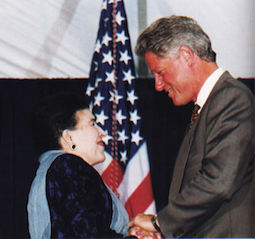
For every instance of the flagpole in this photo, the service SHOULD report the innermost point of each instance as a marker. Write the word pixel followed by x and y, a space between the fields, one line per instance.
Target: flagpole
pixel 114 147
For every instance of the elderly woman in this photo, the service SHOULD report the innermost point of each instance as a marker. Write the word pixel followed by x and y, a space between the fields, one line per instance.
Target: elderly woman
pixel 68 198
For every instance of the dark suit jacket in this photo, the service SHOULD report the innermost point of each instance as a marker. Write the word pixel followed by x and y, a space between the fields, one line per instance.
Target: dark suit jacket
pixel 212 193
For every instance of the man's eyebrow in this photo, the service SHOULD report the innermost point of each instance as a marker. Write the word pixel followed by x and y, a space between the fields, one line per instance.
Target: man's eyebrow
pixel 155 72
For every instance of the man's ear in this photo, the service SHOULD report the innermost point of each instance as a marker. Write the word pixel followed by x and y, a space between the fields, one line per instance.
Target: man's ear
pixel 187 54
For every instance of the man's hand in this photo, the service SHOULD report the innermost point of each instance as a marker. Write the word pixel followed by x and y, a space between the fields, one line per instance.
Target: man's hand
pixel 142 224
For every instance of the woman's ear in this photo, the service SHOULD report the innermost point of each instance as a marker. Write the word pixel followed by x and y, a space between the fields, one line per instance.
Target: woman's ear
pixel 66 141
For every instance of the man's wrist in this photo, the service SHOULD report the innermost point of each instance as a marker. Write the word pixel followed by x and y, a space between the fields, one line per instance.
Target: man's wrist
pixel 154 223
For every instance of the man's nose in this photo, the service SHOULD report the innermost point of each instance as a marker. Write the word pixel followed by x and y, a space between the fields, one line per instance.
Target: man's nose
pixel 159 83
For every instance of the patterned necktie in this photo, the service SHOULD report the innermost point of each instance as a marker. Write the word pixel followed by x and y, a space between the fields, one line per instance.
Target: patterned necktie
pixel 194 115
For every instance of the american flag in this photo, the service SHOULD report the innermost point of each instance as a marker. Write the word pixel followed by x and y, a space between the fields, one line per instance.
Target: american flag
pixel 113 100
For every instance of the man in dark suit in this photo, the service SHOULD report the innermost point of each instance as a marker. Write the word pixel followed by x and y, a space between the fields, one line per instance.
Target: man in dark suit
pixel 212 192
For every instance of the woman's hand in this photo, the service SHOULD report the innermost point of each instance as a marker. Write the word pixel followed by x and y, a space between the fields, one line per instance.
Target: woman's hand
pixel 142 234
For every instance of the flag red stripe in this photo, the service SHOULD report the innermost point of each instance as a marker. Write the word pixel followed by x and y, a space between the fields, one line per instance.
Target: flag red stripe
pixel 141 198
pixel 107 173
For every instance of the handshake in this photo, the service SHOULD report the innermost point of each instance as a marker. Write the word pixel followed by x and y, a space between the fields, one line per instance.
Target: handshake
pixel 144 226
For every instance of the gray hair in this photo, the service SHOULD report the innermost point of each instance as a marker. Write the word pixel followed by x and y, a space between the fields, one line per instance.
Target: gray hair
pixel 165 36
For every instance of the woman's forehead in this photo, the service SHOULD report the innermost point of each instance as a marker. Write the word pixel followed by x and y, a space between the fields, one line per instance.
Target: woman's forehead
pixel 84 115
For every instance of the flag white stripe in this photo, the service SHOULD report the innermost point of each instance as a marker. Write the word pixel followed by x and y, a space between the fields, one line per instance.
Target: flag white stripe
pixel 136 171
pixel 151 209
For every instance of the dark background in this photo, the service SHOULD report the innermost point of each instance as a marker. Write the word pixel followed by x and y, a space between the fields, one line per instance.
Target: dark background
pixel 163 127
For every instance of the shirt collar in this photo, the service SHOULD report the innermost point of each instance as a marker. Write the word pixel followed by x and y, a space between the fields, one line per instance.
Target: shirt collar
pixel 207 87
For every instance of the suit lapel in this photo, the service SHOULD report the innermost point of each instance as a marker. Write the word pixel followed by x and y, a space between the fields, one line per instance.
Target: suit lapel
pixel 182 160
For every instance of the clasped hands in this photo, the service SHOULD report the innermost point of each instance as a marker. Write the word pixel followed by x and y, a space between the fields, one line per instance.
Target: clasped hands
pixel 141 226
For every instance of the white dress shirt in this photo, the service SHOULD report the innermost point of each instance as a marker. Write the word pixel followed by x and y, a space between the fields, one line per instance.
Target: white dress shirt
pixel 207 87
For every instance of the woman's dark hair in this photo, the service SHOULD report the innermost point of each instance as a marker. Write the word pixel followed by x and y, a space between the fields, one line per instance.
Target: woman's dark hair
pixel 51 116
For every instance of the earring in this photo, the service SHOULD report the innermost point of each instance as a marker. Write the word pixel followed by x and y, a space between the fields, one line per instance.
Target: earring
pixel 73 147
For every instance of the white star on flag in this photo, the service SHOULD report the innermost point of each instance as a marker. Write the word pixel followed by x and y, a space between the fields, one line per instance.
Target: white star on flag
pixel 98 80
pixel 121 37
pixel 116 97
pixel 108 58
pixel 136 137
pixel 106 39
pixel 89 89
pixel 120 116
pixel 119 18
pixel 134 117
pixel 122 136
pixel 98 46
pixel 98 99
pixel 123 157
pixel 101 118
pixel 125 57
pixel 128 76
pixel 110 77
pixel 132 97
